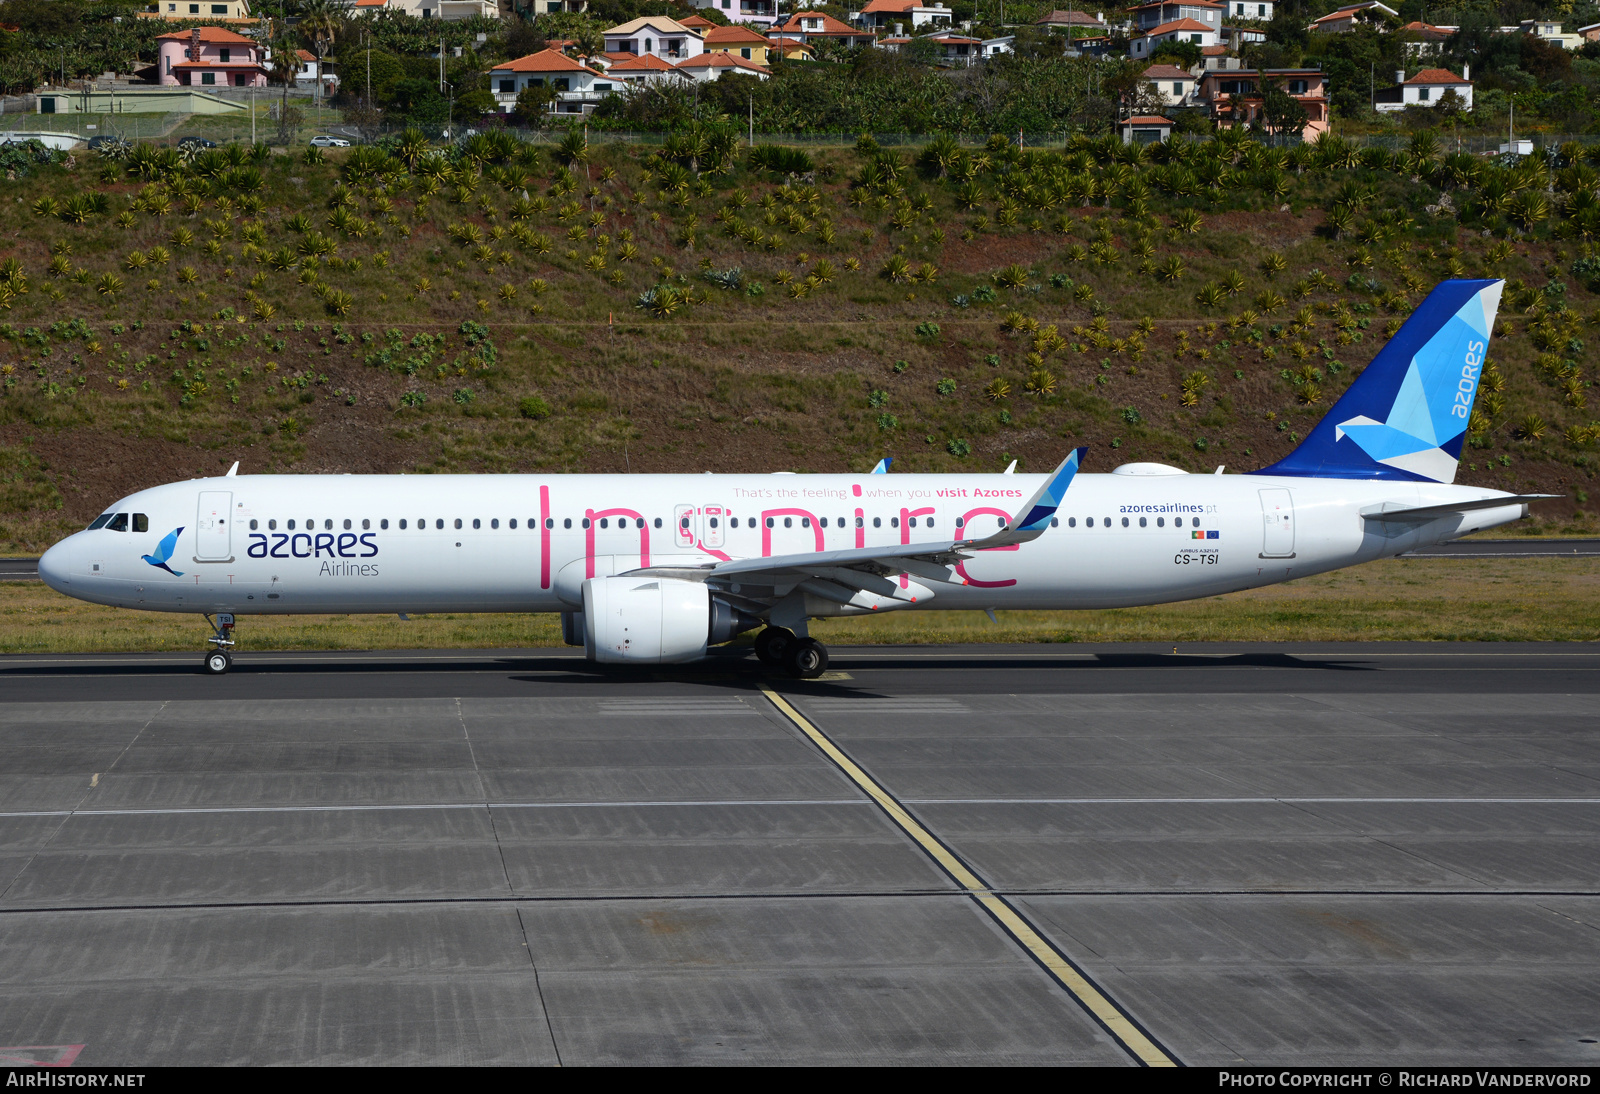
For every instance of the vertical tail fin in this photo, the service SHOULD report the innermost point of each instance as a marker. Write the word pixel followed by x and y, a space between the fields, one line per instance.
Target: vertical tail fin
pixel 1406 416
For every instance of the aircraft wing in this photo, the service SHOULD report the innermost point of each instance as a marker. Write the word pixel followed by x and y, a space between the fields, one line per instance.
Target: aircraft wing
pixel 868 568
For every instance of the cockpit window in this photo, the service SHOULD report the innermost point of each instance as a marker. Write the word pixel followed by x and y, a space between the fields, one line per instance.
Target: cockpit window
pixel 141 522
pixel 119 523
pixel 100 521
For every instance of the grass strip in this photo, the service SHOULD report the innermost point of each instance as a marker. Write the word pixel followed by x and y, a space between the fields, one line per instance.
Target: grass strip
pixel 1436 599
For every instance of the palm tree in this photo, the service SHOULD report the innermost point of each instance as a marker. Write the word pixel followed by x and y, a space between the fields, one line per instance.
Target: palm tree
pixel 320 21
pixel 285 66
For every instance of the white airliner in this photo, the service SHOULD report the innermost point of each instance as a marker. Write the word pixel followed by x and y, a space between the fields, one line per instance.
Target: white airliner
pixel 657 568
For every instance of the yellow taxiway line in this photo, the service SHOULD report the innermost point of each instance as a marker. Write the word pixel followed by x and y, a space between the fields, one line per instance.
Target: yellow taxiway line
pixel 1111 1017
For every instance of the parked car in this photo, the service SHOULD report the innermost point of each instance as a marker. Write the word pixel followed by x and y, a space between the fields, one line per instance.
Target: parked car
pixel 196 142
pixel 99 142
pixel 322 140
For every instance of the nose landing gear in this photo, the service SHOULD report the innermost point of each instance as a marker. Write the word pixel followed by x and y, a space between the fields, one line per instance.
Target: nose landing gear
pixel 218 660
pixel 803 658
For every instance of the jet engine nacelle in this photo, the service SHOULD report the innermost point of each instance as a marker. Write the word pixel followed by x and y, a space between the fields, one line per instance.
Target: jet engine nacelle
pixel 654 620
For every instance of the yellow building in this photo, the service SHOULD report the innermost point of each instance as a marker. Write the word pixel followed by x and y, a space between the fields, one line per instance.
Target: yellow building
pixel 212 11
pixel 741 42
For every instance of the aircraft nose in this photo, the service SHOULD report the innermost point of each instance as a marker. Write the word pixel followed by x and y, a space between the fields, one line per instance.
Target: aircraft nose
pixel 55 568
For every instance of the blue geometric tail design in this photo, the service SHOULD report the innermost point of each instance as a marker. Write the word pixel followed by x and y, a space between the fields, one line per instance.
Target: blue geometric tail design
pixel 1406 416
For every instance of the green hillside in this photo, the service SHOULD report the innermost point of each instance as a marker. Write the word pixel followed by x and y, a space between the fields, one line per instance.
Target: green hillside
pixel 498 306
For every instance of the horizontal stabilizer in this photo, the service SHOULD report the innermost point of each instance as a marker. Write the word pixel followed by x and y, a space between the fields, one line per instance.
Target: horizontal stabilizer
pixel 1423 513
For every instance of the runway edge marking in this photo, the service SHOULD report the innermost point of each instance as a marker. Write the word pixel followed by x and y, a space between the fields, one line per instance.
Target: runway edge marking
pixel 1117 1022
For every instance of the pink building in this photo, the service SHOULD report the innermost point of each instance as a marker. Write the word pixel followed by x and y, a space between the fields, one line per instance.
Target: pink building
pixel 209 57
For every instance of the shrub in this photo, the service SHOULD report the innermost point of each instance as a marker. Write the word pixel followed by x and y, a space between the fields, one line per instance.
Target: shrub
pixel 785 161
pixel 958 448
pixel 1013 276
pixel 928 331
pixel 946 386
pixel 413 399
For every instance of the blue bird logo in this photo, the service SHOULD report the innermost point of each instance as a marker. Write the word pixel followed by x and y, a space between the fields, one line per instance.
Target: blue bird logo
pixel 164 549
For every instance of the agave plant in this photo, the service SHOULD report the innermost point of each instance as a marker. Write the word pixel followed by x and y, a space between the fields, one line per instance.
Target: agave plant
pixel 187 275
pixel 897 269
pixel 338 302
pixel 108 285
pixel 1211 295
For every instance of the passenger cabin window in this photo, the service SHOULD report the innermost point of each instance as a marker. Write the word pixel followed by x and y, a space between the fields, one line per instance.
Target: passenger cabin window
pixel 1072 522
pixel 476 523
pixel 346 524
pixel 327 525
pixel 119 523
pixel 252 525
pixel 402 524
pixel 713 523
pixel 384 523
pixel 439 524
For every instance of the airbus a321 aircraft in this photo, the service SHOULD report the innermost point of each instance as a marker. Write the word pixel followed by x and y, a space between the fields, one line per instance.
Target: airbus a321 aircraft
pixel 657 568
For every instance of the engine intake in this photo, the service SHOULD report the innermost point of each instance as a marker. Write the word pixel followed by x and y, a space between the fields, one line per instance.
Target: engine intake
pixel 652 620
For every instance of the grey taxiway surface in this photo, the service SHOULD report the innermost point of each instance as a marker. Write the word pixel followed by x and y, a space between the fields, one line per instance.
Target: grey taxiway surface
pixel 1271 855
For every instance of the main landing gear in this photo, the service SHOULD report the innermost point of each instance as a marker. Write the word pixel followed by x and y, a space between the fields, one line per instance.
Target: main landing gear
pixel 219 660
pixel 804 658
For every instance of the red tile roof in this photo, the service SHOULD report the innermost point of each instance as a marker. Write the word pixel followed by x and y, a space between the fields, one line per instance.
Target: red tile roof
pixel 1071 18
pixel 546 60
pixel 1148 119
pixel 211 35
pixel 721 60
pixel 1167 72
pixel 1177 25
pixel 1438 76
pixel 890 7
pixel 696 21
pixel 734 36
pixel 648 63
pixel 831 27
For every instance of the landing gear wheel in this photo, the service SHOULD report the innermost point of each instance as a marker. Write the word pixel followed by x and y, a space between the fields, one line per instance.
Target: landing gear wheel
pixel 217 662
pixel 772 644
pixel 806 659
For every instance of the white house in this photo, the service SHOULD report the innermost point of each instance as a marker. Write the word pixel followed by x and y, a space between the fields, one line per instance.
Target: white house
pixel 1426 88
pixel 1345 19
pixel 1147 17
pixel 885 13
pixel 760 12
pixel 646 70
pixel 994 46
pixel 450 10
pixel 1171 83
pixel 1258 10
pixel 579 88
pixel 1425 39
pixel 1181 30
pixel 706 67
pixel 655 36
pixel 1550 31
